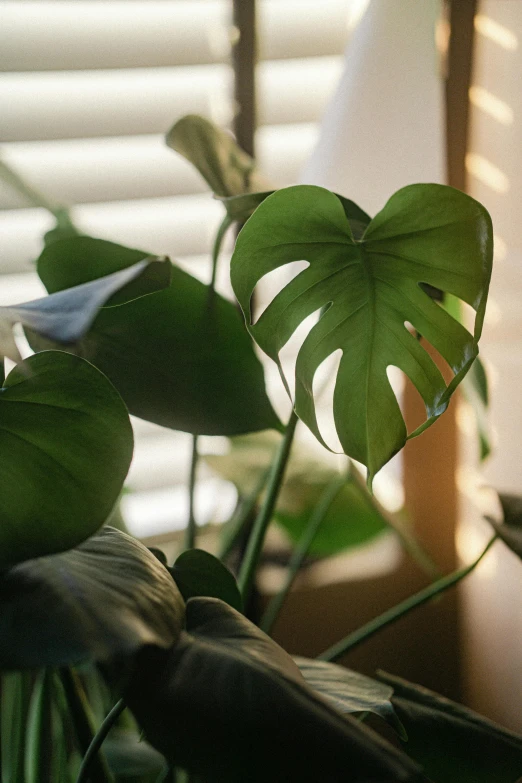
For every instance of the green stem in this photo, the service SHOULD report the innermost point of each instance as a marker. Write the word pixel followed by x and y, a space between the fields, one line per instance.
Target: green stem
pixel 240 518
pixel 98 739
pixel 81 720
pixel 33 196
pixel 222 230
pixel 296 561
pixel 391 615
pixel 257 537
pixel 190 532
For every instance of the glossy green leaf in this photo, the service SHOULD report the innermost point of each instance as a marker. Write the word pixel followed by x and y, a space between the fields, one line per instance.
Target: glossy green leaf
pixel 65 445
pixel 367 290
pixel 510 530
pixel 65 316
pixel 227 169
pixel 228 703
pixel 454 744
pixel 349 691
pixel 105 598
pixel 198 573
pixel 181 358
pixel 352 518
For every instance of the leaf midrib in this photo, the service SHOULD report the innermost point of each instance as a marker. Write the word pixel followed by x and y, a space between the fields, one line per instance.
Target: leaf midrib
pixel 371 307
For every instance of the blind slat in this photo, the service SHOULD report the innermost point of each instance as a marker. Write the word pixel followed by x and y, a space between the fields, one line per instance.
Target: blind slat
pixel 54 36
pixel 78 171
pixel 181 226
pixel 142 101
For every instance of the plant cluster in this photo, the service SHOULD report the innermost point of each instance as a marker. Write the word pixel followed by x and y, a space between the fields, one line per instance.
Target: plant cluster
pixel 120 666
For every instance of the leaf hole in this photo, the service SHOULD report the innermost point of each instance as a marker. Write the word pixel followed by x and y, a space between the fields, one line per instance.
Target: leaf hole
pixel 411 403
pixel 271 284
pixel 396 380
pixel 323 390
pixel 288 353
pixel 438 358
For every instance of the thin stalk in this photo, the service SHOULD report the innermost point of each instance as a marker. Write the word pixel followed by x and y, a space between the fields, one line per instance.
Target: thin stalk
pixel 33 196
pixel 222 230
pixel 81 720
pixel 2 372
pixel 98 739
pixel 240 518
pixel 190 532
pixel 296 561
pixel 391 615
pixel 257 536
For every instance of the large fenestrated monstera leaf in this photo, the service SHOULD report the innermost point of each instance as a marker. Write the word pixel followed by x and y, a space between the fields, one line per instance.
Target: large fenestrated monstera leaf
pixel 368 288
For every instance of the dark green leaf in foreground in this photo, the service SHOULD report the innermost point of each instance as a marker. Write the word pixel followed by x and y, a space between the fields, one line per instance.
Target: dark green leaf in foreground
pixel 367 291
pixel 129 755
pixel 65 316
pixel 179 358
pixel 106 598
pixel 510 530
pixel 227 169
pixel 198 573
pixel 349 691
pixel 228 703
pixel 454 744
pixel 65 447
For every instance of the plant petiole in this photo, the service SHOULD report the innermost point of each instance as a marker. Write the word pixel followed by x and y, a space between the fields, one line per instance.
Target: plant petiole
pixel 257 536
pixel 359 636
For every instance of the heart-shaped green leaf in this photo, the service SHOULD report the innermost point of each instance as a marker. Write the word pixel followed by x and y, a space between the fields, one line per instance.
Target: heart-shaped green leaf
pixel 66 316
pixel 454 744
pixel 227 169
pixel 65 446
pixel 350 691
pixel 227 702
pixel 368 289
pixel 181 358
pixel 198 573
pixel 510 530
pixel 106 598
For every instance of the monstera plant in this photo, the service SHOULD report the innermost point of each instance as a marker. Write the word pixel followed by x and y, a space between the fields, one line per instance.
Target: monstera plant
pixel 119 665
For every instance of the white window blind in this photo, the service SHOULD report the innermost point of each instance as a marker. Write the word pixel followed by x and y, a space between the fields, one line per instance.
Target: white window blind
pixel 88 89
